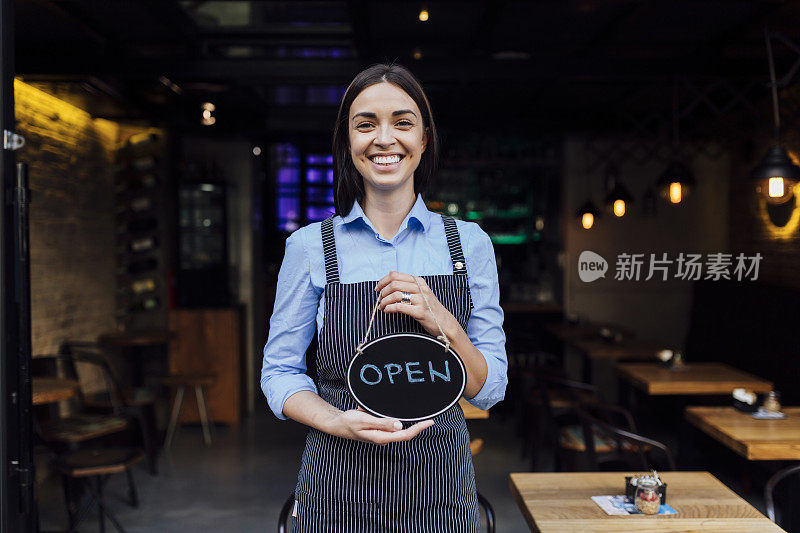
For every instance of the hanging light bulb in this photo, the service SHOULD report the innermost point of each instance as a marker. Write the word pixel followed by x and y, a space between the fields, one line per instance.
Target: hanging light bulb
pixel 423 15
pixel 776 175
pixel 587 214
pixel 618 197
pixel 676 182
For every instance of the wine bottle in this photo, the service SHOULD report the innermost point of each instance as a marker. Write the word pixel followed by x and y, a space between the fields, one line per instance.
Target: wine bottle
pixel 141 203
pixel 143 244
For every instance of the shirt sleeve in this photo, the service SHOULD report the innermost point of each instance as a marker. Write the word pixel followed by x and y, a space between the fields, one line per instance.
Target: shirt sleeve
pixel 291 327
pixel 485 326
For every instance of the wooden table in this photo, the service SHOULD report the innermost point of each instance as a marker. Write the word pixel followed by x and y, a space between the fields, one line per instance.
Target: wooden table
pixel 591 350
pixel 471 412
pixel 561 502
pixel 137 345
pixel 753 439
pixel 52 390
pixel 567 332
pixel 692 379
pixel 134 338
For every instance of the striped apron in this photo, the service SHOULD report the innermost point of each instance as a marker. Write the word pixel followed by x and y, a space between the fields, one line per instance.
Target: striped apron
pixel 425 484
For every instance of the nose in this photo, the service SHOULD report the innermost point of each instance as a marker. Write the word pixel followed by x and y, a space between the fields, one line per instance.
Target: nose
pixel 383 136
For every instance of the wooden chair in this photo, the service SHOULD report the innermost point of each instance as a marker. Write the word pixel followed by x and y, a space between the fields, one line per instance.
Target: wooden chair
pixel 80 426
pixel 91 469
pixel 180 382
pixel 135 403
pixel 769 489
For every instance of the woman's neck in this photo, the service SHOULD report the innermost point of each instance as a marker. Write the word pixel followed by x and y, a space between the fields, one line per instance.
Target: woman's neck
pixel 386 210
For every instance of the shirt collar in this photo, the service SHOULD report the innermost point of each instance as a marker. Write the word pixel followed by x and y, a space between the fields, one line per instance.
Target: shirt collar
pixel 419 215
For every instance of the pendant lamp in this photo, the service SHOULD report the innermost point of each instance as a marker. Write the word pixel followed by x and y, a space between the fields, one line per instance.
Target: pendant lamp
pixel 776 175
pixel 618 198
pixel 677 180
pixel 587 214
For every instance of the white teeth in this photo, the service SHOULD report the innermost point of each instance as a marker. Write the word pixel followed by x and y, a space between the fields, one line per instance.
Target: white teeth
pixel 386 159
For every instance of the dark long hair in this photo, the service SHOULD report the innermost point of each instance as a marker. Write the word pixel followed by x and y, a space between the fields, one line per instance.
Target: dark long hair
pixel 349 183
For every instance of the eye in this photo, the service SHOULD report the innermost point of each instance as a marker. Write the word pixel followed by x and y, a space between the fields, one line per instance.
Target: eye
pixel 364 124
pixel 405 122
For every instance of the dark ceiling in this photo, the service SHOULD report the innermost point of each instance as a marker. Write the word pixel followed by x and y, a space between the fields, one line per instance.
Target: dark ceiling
pixel 539 66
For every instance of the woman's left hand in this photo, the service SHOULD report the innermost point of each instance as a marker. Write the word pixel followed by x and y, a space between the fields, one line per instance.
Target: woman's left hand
pixel 394 284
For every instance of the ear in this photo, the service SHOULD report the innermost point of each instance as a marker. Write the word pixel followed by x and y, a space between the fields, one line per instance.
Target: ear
pixel 425 139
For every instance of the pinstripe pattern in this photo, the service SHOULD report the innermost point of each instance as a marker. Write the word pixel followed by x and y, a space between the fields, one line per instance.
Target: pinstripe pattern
pixel 425 484
pixel 454 243
pixel 329 246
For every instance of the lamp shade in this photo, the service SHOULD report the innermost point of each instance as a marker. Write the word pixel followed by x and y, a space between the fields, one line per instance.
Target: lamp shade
pixel 618 199
pixel 775 175
pixel 676 181
pixel 587 214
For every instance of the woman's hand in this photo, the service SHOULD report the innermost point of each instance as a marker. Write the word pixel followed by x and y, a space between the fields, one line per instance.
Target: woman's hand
pixel 394 284
pixel 359 425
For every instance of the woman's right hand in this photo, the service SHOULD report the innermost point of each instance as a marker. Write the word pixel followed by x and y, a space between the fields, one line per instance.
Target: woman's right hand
pixel 359 425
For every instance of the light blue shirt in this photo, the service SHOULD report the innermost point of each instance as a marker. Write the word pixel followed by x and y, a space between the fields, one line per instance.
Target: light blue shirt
pixel 419 248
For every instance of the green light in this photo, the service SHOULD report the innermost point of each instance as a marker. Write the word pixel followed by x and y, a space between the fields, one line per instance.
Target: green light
pixel 474 215
pixel 499 238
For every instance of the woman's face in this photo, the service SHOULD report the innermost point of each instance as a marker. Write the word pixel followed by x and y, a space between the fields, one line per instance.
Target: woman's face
pixel 387 137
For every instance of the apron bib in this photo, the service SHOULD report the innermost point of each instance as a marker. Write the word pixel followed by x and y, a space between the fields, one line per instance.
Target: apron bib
pixel 425 484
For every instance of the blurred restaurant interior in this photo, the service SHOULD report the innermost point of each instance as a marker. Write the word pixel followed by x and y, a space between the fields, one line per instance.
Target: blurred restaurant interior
pixel 634 162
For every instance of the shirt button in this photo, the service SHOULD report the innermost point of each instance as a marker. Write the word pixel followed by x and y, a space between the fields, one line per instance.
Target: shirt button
pixel 459 265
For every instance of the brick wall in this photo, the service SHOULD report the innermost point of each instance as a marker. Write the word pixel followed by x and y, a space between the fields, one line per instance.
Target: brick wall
pixel 71 217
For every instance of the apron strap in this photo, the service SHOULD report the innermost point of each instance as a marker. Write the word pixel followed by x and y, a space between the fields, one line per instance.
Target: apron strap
pixel 454 243
pixel 329 247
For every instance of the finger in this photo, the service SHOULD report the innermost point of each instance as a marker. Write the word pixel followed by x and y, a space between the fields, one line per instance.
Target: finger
pixel 393 276
pixel 416 312
pixel 370 422
pixel 405 434
pixel 397 297
pixel 399 286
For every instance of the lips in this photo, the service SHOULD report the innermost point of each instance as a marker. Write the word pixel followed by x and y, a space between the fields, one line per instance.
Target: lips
pixel 386 162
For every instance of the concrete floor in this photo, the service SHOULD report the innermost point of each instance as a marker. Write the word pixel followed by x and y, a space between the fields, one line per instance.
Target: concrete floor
pixel 241 482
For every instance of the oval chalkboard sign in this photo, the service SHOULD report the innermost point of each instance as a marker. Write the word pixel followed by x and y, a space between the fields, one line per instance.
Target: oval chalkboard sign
pixel 408 376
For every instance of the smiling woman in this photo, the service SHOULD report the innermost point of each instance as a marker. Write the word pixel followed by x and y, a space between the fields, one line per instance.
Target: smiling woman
pixel 360 272
pixel 388 115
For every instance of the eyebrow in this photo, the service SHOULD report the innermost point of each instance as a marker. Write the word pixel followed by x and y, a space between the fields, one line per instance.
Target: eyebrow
pixel 373 115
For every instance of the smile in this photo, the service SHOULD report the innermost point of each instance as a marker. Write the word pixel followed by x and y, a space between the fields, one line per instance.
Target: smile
pixel 386 160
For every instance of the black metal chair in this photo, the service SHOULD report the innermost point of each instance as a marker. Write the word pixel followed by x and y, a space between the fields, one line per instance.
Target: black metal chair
pixel 553 409
pixel 769 489
pixel 285 524
pixel 625 444
pixel 92 468
pixel 135 403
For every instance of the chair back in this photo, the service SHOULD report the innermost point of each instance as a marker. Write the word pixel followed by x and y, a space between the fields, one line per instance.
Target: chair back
pixel 95 372
pixel 285 519
pixel 770 488
pixel 630 448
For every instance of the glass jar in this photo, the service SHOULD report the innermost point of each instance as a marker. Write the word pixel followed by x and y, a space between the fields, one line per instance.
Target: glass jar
pixel 647 498
pixel 772 402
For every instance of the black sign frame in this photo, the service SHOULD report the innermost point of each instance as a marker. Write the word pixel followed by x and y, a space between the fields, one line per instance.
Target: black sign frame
pixel 441 345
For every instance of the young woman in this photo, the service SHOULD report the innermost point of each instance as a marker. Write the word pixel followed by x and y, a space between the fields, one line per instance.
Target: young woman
pixel 360 472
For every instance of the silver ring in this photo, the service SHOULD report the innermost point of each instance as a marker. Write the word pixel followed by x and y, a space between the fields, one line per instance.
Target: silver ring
pixel 406 297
